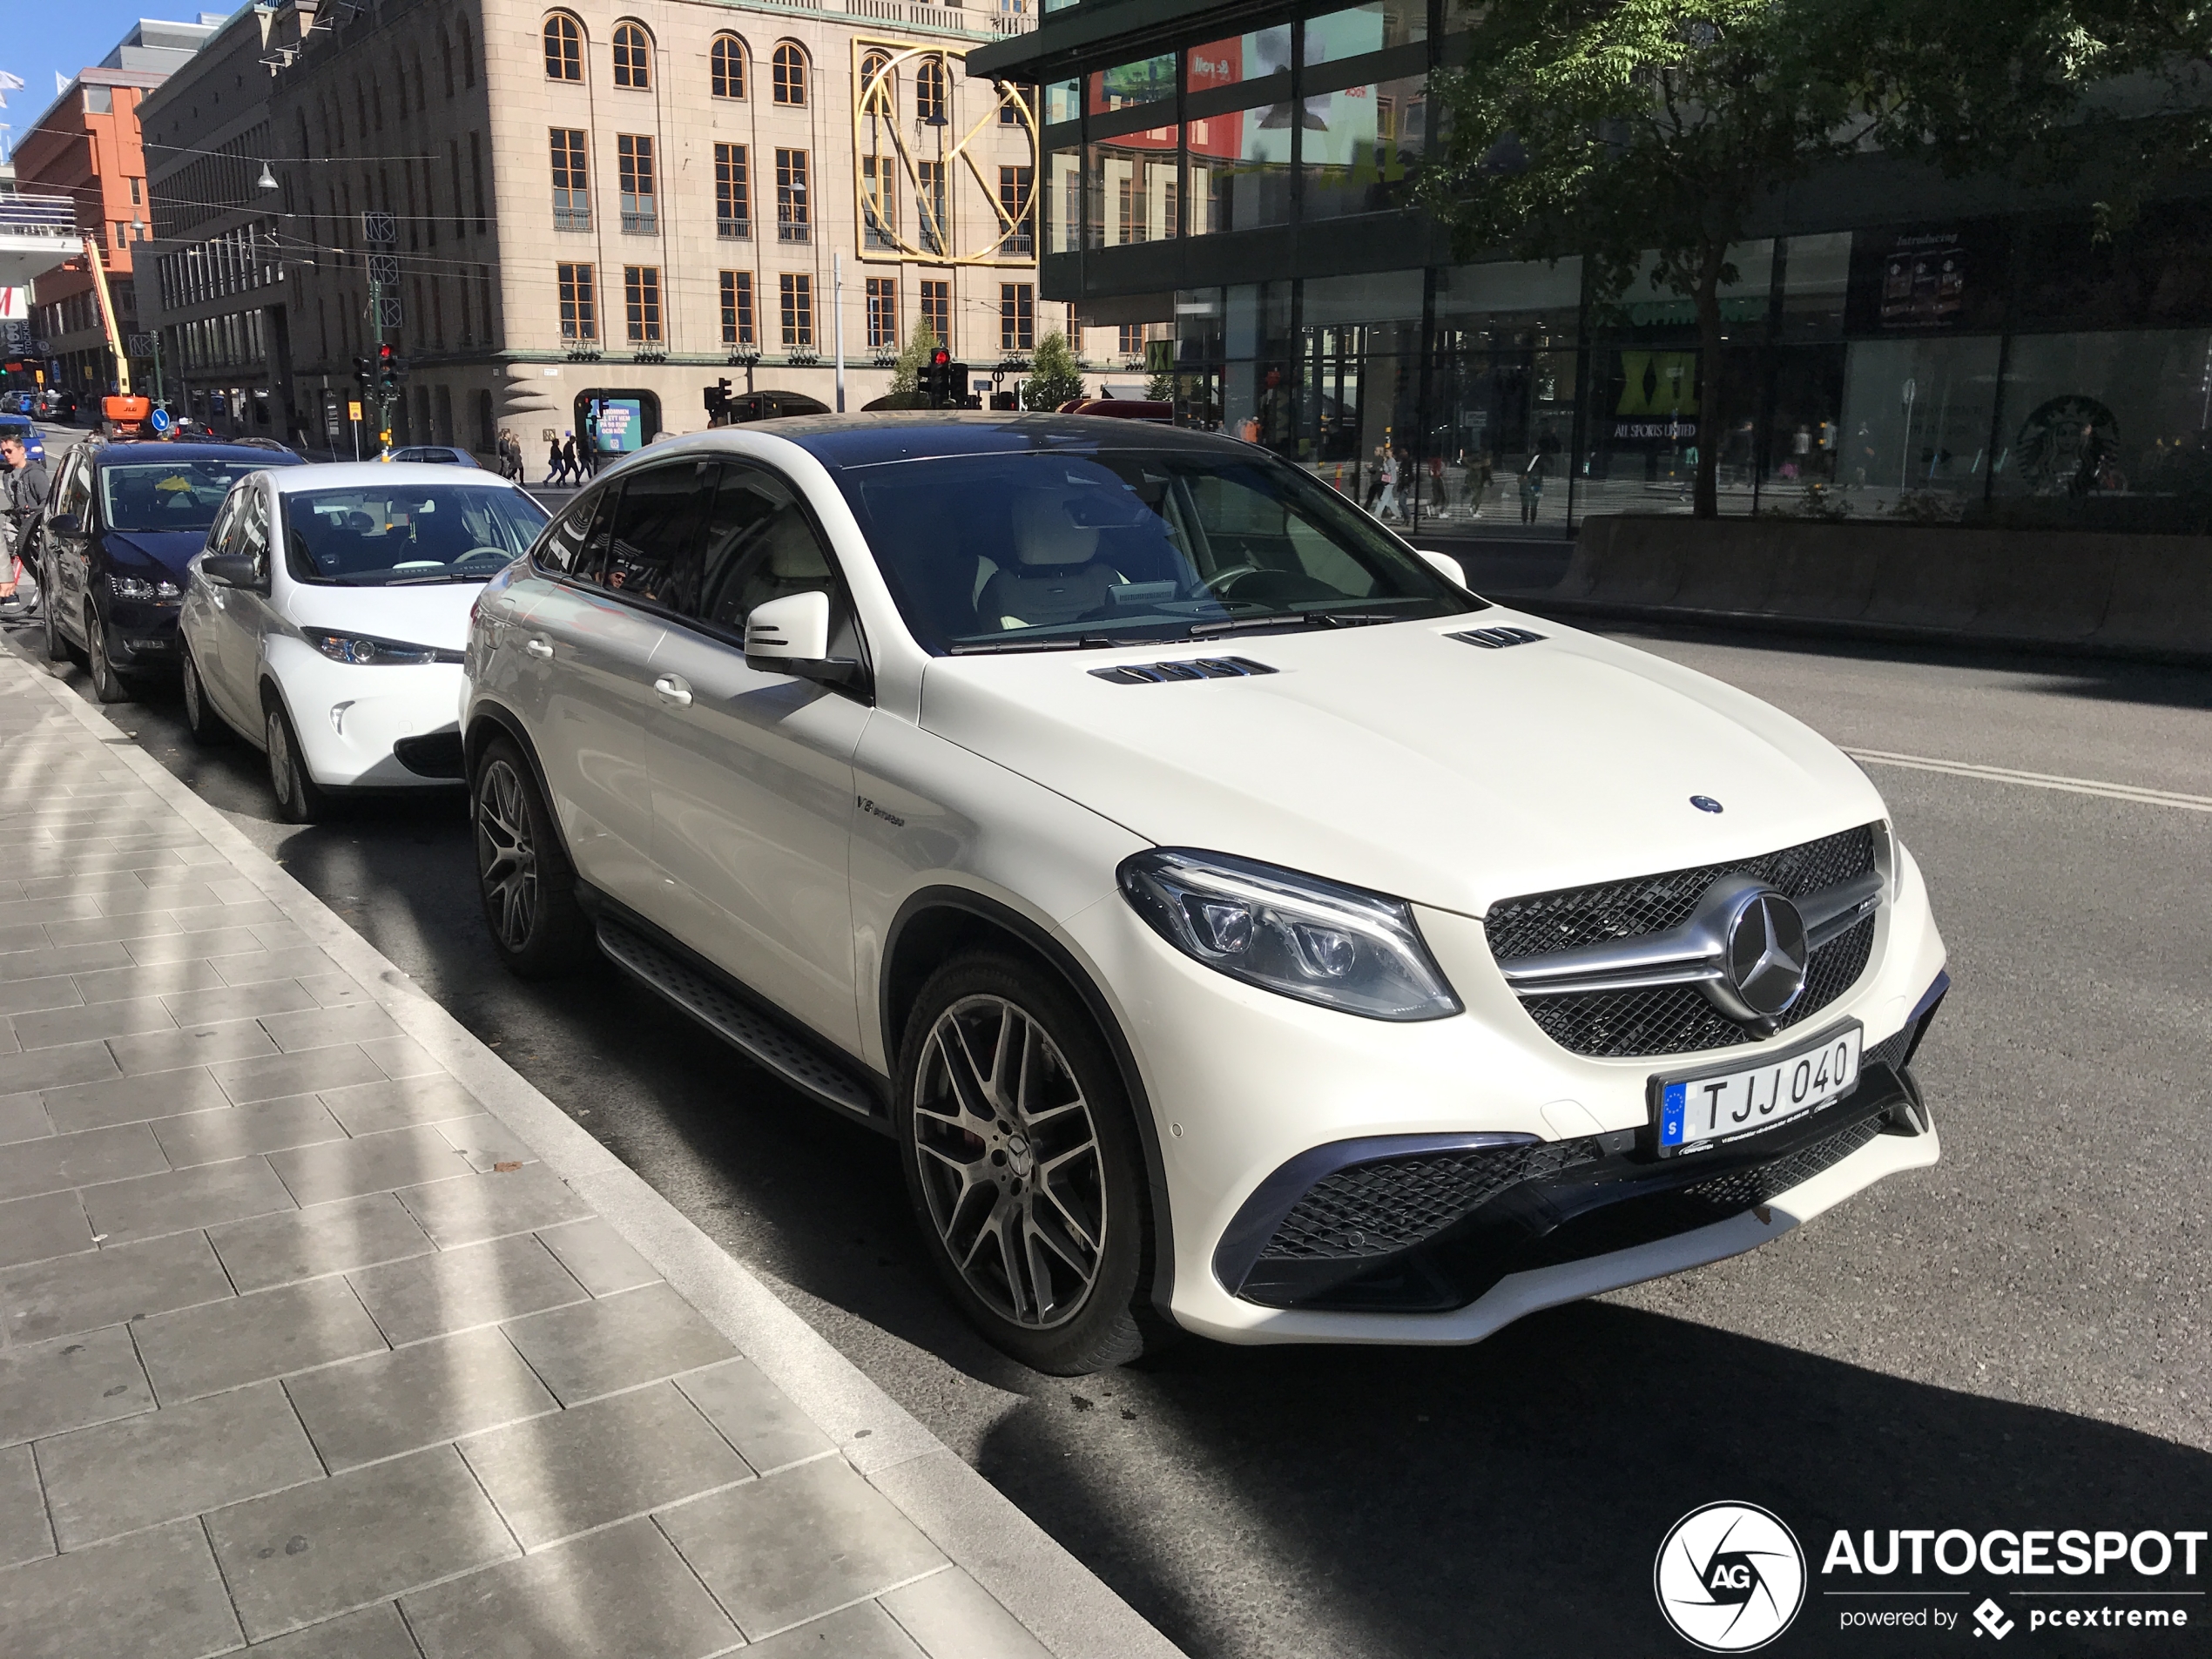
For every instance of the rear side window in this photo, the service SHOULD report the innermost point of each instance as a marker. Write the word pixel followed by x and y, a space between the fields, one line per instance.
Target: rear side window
pixel 759 545
pixel 562 550
pixel 655 524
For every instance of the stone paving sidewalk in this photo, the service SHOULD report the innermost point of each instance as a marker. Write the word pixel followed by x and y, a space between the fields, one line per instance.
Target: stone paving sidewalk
pixel 303 1351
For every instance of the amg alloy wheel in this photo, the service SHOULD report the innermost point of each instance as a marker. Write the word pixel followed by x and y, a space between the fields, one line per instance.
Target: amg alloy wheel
pixel 528 889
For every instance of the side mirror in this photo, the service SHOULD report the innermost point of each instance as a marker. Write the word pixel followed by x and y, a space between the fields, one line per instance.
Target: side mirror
pixel 790 635
pixel 65 525
pixel 1448 566
pixel 229 570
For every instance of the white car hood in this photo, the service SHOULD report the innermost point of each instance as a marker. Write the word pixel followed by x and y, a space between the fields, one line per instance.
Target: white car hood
pixel 426 615
pixel 1398 759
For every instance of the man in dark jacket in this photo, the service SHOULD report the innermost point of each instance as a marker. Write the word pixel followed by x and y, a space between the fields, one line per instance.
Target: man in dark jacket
pixel 27 485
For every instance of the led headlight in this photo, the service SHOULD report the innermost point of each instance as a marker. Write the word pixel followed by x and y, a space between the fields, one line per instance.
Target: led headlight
pixel 366 648
pixel 137 587
pixel 1292 934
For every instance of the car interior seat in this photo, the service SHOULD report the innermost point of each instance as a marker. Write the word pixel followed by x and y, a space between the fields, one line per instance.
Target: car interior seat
pixel 1057 574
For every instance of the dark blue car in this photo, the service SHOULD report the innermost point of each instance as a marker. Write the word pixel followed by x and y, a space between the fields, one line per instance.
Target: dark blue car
pixel 121 523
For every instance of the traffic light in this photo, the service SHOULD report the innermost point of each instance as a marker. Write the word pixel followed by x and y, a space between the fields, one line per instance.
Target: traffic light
pixel 943 383
pixel 391 367
pixel 718 402
pixel 364 373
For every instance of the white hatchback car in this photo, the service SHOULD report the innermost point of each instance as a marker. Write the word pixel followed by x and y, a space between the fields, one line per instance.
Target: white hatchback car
pixel 323 622
pixel 1238 923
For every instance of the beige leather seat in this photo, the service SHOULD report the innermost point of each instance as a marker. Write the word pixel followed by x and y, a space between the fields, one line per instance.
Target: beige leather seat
pixel 1057 576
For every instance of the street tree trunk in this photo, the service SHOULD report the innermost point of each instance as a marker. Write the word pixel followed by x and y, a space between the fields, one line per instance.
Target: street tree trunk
pixel 1705 501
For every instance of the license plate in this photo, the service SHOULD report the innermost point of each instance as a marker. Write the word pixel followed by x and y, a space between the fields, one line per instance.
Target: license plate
pixel 1718 1105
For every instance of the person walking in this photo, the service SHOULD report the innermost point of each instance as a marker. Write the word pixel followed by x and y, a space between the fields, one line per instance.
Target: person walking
pixel 553 467
pixel 1532 486
pixel 1374 480
pixel 28 487
pixel 571 459
pixel 510 455
pixel 1391 470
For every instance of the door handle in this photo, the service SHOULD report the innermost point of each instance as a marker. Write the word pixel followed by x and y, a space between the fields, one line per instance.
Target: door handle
pixel 542 649
pixel 673 690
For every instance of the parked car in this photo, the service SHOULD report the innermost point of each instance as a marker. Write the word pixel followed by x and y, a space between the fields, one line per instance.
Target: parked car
pixel 1238 923
pixel 436 454
pixel 56 405
pixel 325 621
pixel 122 521
pixel 23 428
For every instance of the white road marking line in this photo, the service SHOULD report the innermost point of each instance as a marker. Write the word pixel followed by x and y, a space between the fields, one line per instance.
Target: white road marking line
pixel 2039 779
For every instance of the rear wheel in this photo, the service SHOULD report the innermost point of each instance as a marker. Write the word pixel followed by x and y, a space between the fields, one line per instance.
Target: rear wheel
pixel 1023 1162
pixel 522 873
pixel 299 798
pixel 206 726
pixel 107 685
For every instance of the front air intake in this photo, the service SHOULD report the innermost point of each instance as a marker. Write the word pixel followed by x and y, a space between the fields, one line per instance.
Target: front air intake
pixel 1497 638
pixel 1201 668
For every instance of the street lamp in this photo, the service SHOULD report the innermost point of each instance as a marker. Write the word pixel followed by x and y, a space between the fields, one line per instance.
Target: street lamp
pixel 267 180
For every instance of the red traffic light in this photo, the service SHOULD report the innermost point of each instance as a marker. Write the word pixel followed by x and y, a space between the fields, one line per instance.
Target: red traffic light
pixel 384 355
pixel 939 358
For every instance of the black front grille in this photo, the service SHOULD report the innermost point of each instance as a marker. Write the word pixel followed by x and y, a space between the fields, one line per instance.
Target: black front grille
pixel 1676 1019
pixel 1394 1204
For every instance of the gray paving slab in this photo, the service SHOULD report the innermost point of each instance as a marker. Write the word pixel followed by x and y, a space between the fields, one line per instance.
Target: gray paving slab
pixel 79 1160
pixel 196 1045
pixel 322 1028
pixel 864 1631
pixel 70 1382
pixel 616 1342
pixel 26 1534
pixel 325 1238
pixel 212 1006
pixel 951 1616
pixel 366 1108
pixel 602 1261
pixel 386 1404
pixel 427 1296
pixel 294 1073
pixel 132 1099
pixel 202 1350
pixel 68 1608
pixel 35 995
pixel 373 1632
pixel 175 1462
pixel 283 935
pixel 235 1131
pixel 62 959
pixel 25 937
pixel 183 1200
pixel 84 1291
pixel 366 1536
pixel 399 1056
pixel 100 930
pixel 80 1062
pixel 62 909
pixel 487 1143
pixel 395 1158
pixel 338 990
pixel 555 1476
pixel 23 1118
pixel 116 984
pixel 212 943
pixel 621 1593
pixel 754 1415
pixel 484 1206
pixel 250 962
pixel 80 1025
pixel 788 1548
pixel 32 1229
pixel 229 909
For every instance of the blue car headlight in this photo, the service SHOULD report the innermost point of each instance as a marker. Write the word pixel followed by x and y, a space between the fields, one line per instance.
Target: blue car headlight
pixel 143 588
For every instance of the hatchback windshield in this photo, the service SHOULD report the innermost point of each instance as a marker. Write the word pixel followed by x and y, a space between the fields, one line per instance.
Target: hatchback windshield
pixel 1033 550
pixel 385 536
pixel 173 496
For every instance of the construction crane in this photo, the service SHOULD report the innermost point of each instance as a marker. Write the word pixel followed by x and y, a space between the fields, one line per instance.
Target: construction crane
pixel 126 412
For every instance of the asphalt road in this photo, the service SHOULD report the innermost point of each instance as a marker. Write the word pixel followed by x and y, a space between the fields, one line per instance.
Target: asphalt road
pixel 2019 1337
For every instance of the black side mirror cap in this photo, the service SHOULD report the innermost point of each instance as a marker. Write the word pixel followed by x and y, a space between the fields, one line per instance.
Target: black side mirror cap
pixel 229 570
pixel 65 525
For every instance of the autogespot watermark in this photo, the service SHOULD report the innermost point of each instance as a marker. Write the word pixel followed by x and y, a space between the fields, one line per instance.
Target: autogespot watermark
pixel 1730 1578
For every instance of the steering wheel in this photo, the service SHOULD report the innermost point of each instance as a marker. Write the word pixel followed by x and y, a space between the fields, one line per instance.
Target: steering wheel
pixel 475 553
pixel 1220 581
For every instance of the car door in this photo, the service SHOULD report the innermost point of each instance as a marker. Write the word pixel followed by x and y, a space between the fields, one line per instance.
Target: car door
pixel 65 556
pixel 199 621
pixel 245 614
pixel 587 688
pixel 753 771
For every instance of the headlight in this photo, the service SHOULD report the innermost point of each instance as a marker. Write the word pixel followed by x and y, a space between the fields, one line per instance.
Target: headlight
pixel 137 587
pixel 366 648
pixel 1296 934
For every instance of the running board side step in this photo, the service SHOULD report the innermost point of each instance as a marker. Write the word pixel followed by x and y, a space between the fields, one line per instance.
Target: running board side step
pixel 760 1039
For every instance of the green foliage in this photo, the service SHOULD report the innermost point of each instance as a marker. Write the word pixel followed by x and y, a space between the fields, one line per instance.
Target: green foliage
pixel 1053 377
pixel 906 372
pixel 1160 387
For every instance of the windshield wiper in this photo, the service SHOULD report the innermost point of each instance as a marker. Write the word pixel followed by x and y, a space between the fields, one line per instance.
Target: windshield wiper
pixel 432 581
pixel 1065 642
pixel 1289 619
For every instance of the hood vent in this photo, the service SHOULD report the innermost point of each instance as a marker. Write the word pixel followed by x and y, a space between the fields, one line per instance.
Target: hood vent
pixel 1202 668
pixel 1497 638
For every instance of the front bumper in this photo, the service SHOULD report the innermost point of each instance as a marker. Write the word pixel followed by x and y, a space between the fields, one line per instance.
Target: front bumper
pixel 1244 1085
pixel 370 726
pixel 141 636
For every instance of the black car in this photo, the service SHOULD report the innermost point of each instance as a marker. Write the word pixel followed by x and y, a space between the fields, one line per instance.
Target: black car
pixel 122 522
pixel 55 404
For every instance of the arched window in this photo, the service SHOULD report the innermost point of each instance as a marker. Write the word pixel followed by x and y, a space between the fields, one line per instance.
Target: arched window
pixel 791 74
pixel 929 92
pixel 633 58
pixel 879 91
pixel 726 58
pixel 564 47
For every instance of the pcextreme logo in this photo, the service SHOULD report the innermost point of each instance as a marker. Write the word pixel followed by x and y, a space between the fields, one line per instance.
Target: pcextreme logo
pixel 1730 1577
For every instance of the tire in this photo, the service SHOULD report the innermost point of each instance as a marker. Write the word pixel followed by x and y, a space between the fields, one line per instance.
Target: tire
pixel 523 877
pixel 1049 1263
pixel 206 728
pixel 299 799
pixel 57 646
pixel 107 685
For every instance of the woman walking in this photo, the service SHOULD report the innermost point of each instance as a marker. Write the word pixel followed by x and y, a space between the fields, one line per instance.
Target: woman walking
pixel 1532 486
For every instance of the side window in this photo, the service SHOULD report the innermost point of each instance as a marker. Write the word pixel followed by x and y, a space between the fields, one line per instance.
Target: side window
pixel 562 547
pixel 759 546
pixel 76 492
pixel 254 530
pixel 654 526
pixel 219 533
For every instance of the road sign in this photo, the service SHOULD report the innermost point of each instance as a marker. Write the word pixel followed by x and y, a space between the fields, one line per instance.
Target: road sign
pixel 379 231
pixel 384 268
pixel 159 420
pixel 388 311
pixel 142 345
pixel 353 409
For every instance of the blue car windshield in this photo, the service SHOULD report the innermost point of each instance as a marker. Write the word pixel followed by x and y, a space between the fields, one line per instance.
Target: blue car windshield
pixel 1037 550
pixel 171 496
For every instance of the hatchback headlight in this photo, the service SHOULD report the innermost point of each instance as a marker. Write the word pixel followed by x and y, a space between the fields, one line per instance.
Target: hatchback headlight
pixel 137 587
pixel 1292 934
pixel 367 648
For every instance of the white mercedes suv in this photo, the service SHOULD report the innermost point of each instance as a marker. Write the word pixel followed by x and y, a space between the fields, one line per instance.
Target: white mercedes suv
pixel 1240 926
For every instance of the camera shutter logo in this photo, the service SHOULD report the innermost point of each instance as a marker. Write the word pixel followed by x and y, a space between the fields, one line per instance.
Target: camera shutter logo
pixel 1730 1577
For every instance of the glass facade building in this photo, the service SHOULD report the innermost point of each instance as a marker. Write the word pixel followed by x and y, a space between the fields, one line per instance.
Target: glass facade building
pixel 1897 345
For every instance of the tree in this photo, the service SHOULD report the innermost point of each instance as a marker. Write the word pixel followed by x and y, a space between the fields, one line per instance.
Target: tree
pixel 1054 378
pixel 907 372
pixel 1625 130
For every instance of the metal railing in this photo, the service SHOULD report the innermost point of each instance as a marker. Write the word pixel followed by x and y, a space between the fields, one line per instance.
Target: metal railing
pixel 571 218
pixel 733 230
pixel 643 222
pixel 38 215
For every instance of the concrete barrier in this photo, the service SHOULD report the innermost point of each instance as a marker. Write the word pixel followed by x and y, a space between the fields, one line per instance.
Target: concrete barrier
pixel 2132 594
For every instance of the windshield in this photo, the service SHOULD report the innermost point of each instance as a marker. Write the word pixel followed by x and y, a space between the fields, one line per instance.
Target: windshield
pixel 172 495
pixel 1036 550
pixel 387 535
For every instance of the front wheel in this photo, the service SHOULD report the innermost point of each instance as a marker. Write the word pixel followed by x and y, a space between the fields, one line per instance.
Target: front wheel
pixel 299 798
pixel 204 725
pixel 1022 1161
pixel 528 889
pixel 107 685
pixel 58 648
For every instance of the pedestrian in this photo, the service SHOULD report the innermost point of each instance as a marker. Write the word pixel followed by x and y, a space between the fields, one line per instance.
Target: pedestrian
pixel 553 467
pixel 510 455
pixel 1375 481
pixel 1532 485
pixel 1439 492
pixel 572 460
pixel 27 485
pixel 1388 508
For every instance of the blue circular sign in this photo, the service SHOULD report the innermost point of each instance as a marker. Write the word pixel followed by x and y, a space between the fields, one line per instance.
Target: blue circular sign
pixel 159 420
